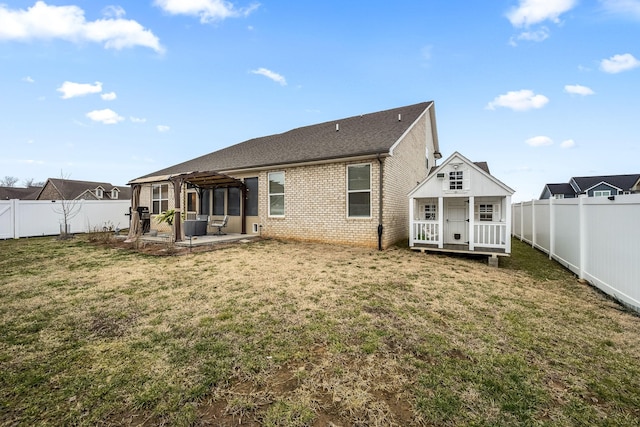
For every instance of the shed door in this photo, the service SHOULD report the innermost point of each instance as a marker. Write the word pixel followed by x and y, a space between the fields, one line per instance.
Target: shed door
pixel 456 225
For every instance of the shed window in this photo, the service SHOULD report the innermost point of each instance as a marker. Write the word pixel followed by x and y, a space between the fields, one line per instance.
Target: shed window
pixel 159 198
pixel 276 193
pixel 485 212
pixel 456 180
pixel 430 212
pixel 359 190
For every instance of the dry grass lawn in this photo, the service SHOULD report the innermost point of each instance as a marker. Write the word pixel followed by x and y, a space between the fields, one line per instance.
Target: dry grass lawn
pixel 295 334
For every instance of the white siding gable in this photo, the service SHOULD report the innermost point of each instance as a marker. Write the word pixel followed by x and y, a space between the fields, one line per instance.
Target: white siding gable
pixel 475 181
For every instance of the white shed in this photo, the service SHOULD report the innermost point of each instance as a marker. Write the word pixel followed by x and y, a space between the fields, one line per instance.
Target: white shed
pixel 461 207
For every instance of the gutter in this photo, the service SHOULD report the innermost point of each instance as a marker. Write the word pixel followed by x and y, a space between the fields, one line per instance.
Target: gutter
pixel 380 226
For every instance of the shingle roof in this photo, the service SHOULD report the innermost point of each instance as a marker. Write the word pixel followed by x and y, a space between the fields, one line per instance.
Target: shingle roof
pixel 563 188
pixel 71 189
pixel 624 182
pixel 361 135
pixel 30 193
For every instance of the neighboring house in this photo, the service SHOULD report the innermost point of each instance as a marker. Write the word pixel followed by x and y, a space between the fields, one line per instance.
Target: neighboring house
pixel 593 186
pixel 20 193
pixel 67 189
pixel 342 181
pixel 461 207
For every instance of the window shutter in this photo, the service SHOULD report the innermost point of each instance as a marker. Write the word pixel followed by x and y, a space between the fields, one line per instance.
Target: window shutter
pixel 466 179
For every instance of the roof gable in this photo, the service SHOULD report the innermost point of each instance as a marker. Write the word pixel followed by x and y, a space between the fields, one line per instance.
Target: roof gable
pixel 366 134
pixel 624 182
pixel 432 186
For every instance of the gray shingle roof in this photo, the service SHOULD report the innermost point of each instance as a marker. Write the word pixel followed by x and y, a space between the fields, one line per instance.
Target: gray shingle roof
pixel 361 135
pixel 563 188
pixel 71 189
pixel 21 193
pixel 624 182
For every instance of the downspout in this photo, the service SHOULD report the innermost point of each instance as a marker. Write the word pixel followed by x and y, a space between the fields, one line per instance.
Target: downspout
pixel 380 227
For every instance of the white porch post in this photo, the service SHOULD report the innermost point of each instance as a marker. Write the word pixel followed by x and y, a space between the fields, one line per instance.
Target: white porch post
pixel 507 238
pixel 472 227
pixel 440 222
pixel 411 218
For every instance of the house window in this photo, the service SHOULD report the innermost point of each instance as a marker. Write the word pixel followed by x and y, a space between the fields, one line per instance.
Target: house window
pixel 233 201
pixel 218 201
pixel 558 196
pixel 455 180
pixel 430 212
pixel 114 193
pixel 99 193
pixel 359 190
pixel 485 212
pixel 601 193
pixel 276 194
pixel 252 196
pixel 159 198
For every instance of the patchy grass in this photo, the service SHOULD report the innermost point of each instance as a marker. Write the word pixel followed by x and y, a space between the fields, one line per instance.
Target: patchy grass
pixel 293 334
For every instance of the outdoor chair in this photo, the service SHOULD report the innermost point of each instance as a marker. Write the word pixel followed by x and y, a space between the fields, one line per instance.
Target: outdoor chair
pixel 220 225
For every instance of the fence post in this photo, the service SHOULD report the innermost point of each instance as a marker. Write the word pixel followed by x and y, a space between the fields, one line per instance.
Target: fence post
pixel 533 223
pixel 552 228
pixel 582 237
pixel 15 218
pixel 521 221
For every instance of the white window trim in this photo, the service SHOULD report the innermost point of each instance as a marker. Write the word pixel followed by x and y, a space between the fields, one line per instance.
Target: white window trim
pixel 359 191
pixel 115 193
pixel 99 193
pixel 601 193
pixel 433 211
pixel 269 193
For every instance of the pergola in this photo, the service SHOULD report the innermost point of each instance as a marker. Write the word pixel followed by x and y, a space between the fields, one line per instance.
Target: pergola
pixel 200 180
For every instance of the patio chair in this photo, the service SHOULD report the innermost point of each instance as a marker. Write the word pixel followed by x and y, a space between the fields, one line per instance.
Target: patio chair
pixel 220 225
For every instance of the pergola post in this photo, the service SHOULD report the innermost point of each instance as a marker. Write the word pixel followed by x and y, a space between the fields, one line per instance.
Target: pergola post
pixel 177 215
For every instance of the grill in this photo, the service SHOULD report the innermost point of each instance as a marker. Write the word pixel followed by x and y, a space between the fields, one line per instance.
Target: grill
pixel 145 218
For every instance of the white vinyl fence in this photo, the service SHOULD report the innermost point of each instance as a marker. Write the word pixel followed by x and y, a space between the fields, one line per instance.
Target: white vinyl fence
pixel 597 238
pixel 30 218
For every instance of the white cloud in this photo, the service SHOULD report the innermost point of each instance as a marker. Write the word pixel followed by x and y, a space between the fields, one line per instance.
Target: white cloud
pixel 72 90
pixel 623 7
pixel 568 143
pixel 619 63
pixel 521 100
pixel 109 96
pixel 539 141
pixel 533 36
pixel 42 21
pixel 271 75
pixel 106 116
pixel 578 90
pixel 529 12
pixel 163 128
pixel 137 119
pixel 114 11
pixel 28 79
pixel 207 10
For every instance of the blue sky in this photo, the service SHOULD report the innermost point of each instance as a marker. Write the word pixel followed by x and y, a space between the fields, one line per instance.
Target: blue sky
pixel 543 90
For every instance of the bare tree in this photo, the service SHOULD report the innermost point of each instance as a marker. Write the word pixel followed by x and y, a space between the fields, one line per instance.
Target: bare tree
pixel 8 181
pixel 30 182
pixel 67 208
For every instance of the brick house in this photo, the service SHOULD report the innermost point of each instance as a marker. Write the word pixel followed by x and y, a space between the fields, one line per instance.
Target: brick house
pixel 343 181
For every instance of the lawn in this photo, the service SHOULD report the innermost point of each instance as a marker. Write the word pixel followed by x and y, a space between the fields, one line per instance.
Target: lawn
pixel 274 333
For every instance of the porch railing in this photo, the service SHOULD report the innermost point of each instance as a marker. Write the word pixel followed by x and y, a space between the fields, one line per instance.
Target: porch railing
pixel 490 235
pixel 425 232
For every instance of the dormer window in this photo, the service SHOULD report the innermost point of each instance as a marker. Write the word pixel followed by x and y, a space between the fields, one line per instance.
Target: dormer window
pixel 114 193
pixel 99 193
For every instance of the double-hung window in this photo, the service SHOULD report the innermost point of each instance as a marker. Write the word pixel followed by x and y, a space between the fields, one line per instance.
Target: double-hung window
pixel 276 193
pixel 359 190
pixel 159 198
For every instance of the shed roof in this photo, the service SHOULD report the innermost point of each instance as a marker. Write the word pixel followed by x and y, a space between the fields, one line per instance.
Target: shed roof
pixel 366 134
